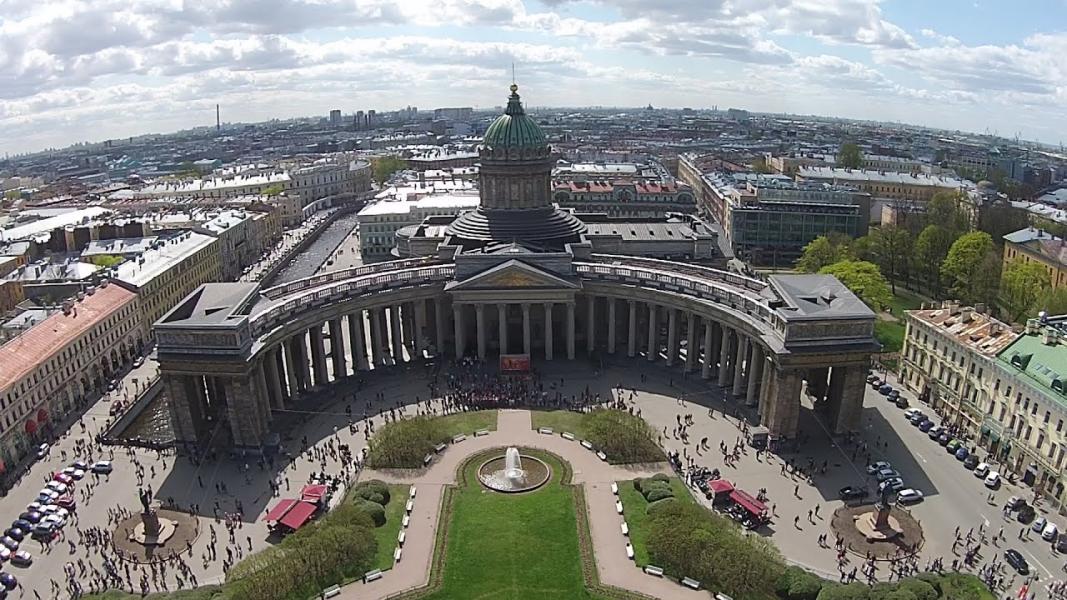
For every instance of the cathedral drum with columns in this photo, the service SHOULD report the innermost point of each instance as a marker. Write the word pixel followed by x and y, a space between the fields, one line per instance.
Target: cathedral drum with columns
pixel 516 276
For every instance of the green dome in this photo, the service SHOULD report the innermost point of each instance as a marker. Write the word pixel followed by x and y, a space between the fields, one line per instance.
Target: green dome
pixel 514 129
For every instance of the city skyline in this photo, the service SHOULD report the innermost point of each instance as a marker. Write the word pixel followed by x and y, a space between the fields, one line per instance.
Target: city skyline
pixel 95 70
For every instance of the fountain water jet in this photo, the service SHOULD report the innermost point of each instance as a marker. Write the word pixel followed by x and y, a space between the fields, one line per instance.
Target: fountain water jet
pixel 513 465
pixel 513 472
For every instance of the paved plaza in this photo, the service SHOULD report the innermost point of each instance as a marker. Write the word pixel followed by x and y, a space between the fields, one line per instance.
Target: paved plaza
pixel 954 496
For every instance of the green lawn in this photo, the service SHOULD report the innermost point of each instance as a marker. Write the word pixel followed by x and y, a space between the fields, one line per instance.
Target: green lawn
pixel 516 547
pixel 891 334
pixel 394 518
pixel 633 506
pixel 469 422
pixel 904 300
pixel 559 421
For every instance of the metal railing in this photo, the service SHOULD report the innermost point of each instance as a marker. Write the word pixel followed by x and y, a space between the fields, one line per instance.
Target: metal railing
pixel 748 283
pixel 279 291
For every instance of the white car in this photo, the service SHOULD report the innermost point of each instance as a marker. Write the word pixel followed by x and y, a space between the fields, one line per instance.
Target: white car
pixel 981 470
pixel 56 520
pixel 50 493
pixel 35 507
pixel 58 487
pixel 909 496
pixel 103 467
pixel 75 473
pixel 1050 532
pixel 53 509
pixel 992 480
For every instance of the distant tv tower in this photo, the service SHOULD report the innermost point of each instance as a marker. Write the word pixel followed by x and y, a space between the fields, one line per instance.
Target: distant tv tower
pixel 218 121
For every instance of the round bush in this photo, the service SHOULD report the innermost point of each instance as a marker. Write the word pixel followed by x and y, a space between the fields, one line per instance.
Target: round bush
pixel 661 477
pixel 653 486
pixel 372 496
pixel 918 588
pixel 804 586
pixel 931 578
pixel 654 507
pixel 658 494
pixel 375 510
pixel 375 485
pixel 638 483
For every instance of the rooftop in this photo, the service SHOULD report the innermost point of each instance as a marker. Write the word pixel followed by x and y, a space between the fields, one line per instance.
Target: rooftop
pixel 919 179
pixel 43 226
pixel 154 262
pixel 968 327
pixel 212 303
pixel 1041 243
pixel 20 356
pixel 1041 364
pixel 425 203
pixel 817 296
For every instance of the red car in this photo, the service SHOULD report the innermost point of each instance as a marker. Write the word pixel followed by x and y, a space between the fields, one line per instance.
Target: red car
pixel 66 501
pixel 63 478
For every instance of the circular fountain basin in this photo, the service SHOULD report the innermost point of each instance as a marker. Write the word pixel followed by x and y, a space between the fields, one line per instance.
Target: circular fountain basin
pixel 495 475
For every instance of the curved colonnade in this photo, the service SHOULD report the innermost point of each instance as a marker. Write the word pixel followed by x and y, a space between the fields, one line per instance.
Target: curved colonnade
pixel 236 354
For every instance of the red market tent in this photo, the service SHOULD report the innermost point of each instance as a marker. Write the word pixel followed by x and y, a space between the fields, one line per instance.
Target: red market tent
pixel 298 515
pixel 720 486
pixel 280 509
pixel 746 501
pixel 313 493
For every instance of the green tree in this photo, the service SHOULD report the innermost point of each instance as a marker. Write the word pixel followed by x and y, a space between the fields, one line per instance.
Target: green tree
pixel 1001 218
pixel 864 279
pixel 383 167
pixel 892 247
pixel 931 248
pixel 106 260
pixel 1021 284
pixel 12 194
pixel 946 209
pixel 850 156
pixel 273 190
pixel 822 251
pixel 1053 302
pixel 760 165
pixel 972 268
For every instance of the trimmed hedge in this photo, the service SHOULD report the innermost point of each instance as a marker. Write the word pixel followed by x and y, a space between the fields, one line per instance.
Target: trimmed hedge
pixel 373 509
pixel 373 486
pixel 623 437
pixel 658 494
pixel 653 507
pixel 403 444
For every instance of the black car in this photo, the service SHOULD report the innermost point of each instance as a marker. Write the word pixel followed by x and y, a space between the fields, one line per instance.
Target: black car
pixel 970 462
pixel 1061 544
pixel 1016 560
pixel 22 524
pixel 852 492
pixel 32 516
pixel 901 402
pixel 926 425
pixel 15 533
pixel 944 439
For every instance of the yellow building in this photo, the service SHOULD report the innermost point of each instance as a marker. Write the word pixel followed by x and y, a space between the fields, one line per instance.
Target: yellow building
pixel 1037 245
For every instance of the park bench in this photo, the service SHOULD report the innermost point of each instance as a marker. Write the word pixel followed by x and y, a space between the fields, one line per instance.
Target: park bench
pixel 654 571
pixel 396 554
pixel 459 438
pixel 629 551
pixel 410 506
pixel 587 444
pixel 691 583
pixel 400 537
pixel 439 448
pixel 625 528
pixel 618 507
pixel 412 494
pixel 370 576
pixel 427 459
pixel 481 432
pixel 545 430
pixel 614 488
pixel 602 456
pixel 567 436
pixel 330 592
pixel 407 520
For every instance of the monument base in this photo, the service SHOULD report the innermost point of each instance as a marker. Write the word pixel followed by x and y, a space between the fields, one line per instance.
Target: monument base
pixel 143 533
pixel 868 525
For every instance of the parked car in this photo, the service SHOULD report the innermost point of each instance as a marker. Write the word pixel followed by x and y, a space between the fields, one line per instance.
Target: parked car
pixel 23 525
pixel 5 554
pixel 102 467
pixel 74 473
pixel 1039 524
pixel 138 362
pixel 1061 544
pixel 1015 502
pixel 32 517
pixel 992 481
pixel 66 501
pixel 909 496
pixel 876 466
pixel 80 465
pixel 894 485
pixel 935 432
pixel 63 478
pixel 877 383
pixel 112 385
pixel 852 492
pixel 57 487
pixel 57 521
pixel 1016 560
pixel 893 395
pixel 901 402
pixel 47 496
pixel 911 411
pixel 923 421
pixel 944 439
pixel 1050 532
pixel 970 462
pixel 1026 514
pixel 44 531
pixel 22 558
pixel 962 453
pixel 886 474
pixel 982 470
pixel 15 533
pixel 10 543
pixel 8 581
pixel 885 389
pixel 952 446
pixel 926 426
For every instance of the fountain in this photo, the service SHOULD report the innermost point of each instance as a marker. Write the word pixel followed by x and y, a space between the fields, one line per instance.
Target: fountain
pixel 513 472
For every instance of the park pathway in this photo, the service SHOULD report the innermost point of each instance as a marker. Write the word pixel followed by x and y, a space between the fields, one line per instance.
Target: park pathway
pixel 514 429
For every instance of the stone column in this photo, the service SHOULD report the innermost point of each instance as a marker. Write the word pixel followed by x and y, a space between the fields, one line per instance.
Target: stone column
pixel 291 367
pixel 377 356
pixel 318 355
pixel 407 326
pixel 755 363
pixel 590 324
pixel 709 333
pixel 691 350
pixel 182 408
pixel 526 341
pixel 817 384
pixel 631 349
pixel 264 393
pixel 739 364
pixel 724 355
pixel 479 323
pixel 420 326
pixel 784 404
pixel 274 383
pixel 502 326
pixel 672 335
pixel 611 326
pixel 303 362
pixel 337 349
pixel 457 316
pixel 396 338
pixel 653 329
pixel 850 400
pixel 439 324
pixel 357 341
pixel 765 389
pixel 548 331
pixel 570 331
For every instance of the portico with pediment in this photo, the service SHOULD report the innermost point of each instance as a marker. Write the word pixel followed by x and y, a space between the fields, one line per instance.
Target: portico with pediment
pixel 515 307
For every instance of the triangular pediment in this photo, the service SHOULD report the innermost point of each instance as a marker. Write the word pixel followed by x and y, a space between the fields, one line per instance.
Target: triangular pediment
pixel 511 275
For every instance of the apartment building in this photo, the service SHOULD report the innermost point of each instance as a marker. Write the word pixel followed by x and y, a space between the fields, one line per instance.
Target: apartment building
pixel 1038 246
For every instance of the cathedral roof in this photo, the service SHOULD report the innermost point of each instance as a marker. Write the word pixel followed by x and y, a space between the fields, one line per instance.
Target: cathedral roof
pixel 514 128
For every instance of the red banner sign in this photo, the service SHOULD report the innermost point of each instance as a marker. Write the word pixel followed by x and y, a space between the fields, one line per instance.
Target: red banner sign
pixel 515 362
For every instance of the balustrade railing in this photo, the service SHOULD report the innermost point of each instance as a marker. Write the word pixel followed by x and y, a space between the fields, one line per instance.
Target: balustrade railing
pixel 279 291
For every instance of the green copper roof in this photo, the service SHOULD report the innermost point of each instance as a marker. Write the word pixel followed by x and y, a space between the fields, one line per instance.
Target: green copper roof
pixel 514 129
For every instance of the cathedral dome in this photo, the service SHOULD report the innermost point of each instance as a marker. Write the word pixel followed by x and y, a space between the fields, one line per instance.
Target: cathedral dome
pixel 514 135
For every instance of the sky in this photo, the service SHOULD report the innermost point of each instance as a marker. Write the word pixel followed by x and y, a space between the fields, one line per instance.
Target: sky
pixel 91 70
